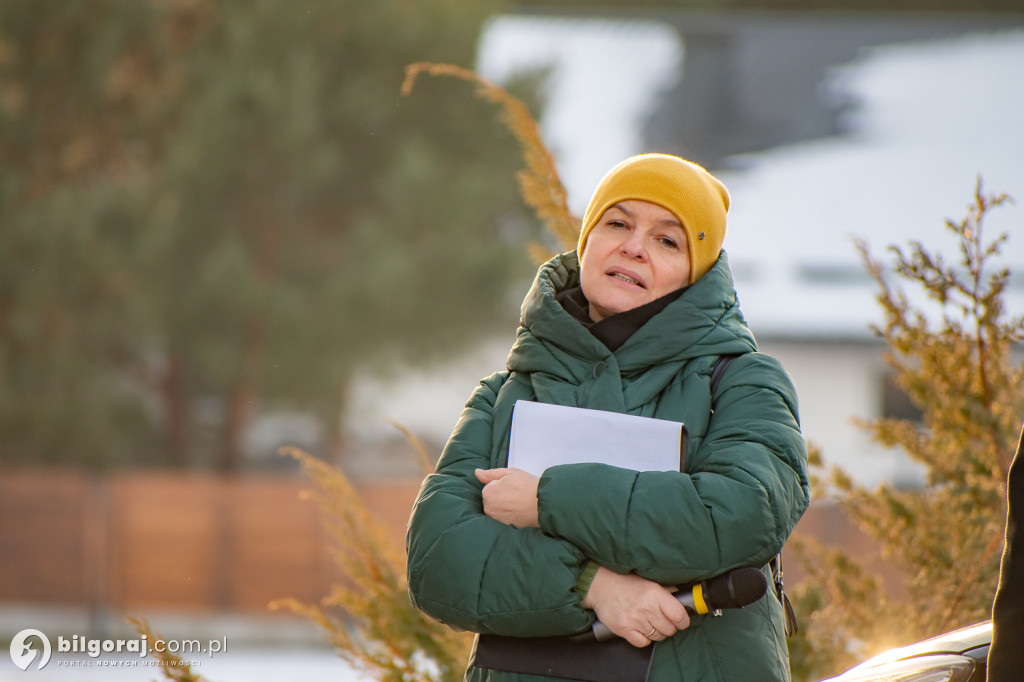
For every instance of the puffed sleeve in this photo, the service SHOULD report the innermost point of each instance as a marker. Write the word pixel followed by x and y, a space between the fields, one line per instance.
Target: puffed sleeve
pixel 474 573
pixel 745 489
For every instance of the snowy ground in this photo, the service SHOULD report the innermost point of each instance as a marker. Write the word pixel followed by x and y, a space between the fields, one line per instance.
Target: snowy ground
pixel 241 666
pixel 255 647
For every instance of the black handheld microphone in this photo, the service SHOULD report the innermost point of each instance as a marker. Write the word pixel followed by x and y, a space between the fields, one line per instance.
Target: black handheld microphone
pixel 732 590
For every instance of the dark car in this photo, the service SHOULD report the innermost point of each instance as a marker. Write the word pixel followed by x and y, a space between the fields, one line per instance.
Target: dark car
pixel 957 656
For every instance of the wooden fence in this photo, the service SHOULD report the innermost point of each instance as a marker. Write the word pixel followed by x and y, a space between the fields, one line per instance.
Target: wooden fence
pixel 128 541
pixel 194 542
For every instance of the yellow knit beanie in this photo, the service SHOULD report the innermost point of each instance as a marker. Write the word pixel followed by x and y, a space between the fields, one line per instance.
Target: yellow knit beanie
pixel 692 194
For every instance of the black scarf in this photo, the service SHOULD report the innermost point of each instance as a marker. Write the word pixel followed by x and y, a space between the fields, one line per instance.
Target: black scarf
pixel 615 330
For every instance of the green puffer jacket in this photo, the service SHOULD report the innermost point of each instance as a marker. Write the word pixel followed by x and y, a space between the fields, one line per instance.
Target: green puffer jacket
pixel 743 490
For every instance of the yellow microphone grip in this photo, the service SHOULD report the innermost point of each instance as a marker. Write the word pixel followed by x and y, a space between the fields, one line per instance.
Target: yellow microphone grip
pixel 698 598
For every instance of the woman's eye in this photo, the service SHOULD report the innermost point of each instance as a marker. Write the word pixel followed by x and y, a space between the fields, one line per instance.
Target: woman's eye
pixel 616 223
pixel 669 242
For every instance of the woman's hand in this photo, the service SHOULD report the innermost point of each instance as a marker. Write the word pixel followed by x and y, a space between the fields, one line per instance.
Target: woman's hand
pixel 637 609
pixel 510 496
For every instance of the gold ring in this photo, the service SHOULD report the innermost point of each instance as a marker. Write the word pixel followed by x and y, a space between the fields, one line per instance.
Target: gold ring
pixel 653 630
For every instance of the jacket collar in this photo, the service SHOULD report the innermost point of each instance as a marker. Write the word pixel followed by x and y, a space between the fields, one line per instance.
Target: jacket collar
pixel 704 320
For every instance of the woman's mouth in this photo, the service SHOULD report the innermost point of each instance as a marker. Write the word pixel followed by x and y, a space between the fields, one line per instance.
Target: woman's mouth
pixel 626 278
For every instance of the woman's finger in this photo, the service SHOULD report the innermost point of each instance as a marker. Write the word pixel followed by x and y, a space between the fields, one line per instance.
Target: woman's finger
pixel 637 639
pixel 662 626
pixel 485 476
pixel 666 616
pixel 674 613
pixel 653 634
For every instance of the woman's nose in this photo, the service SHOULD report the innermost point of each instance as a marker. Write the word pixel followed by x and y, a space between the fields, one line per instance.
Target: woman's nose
pixel 633 248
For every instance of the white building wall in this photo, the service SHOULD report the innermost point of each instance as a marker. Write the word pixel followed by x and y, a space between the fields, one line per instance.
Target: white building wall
pixel 837 382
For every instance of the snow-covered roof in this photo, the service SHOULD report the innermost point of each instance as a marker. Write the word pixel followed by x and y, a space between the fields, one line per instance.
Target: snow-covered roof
pixel 604 77
pixel 930 119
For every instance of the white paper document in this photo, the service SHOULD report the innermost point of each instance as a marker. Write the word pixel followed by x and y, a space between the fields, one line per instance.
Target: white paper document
pixel 545 435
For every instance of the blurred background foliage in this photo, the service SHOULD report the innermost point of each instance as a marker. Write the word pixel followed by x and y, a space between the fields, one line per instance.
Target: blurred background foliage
pixel 212 208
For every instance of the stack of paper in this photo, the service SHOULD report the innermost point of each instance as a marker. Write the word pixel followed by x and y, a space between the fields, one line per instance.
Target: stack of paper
pixel 545 435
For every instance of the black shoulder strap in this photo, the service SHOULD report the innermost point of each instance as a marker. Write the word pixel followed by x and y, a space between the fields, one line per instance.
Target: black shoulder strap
pixel 718 371
pixel 789 616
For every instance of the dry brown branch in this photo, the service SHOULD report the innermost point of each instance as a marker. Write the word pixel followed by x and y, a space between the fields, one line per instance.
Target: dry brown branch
pixel 955 364
pixel 172 666
pixel 423 458
pixel 386 636
pixel 539 183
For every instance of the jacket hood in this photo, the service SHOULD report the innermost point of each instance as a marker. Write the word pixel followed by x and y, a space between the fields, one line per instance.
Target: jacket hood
pixel 704 320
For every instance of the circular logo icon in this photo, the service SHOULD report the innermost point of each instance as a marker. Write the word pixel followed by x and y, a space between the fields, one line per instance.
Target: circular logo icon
pixel 22 654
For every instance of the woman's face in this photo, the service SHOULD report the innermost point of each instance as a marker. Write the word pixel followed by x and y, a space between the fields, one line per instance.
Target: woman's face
pixel 635 254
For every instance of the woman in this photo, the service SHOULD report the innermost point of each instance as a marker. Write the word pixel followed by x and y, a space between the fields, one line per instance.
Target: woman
pixel 635 325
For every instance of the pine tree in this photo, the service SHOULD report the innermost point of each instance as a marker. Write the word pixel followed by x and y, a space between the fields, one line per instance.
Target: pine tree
pixel 213 207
